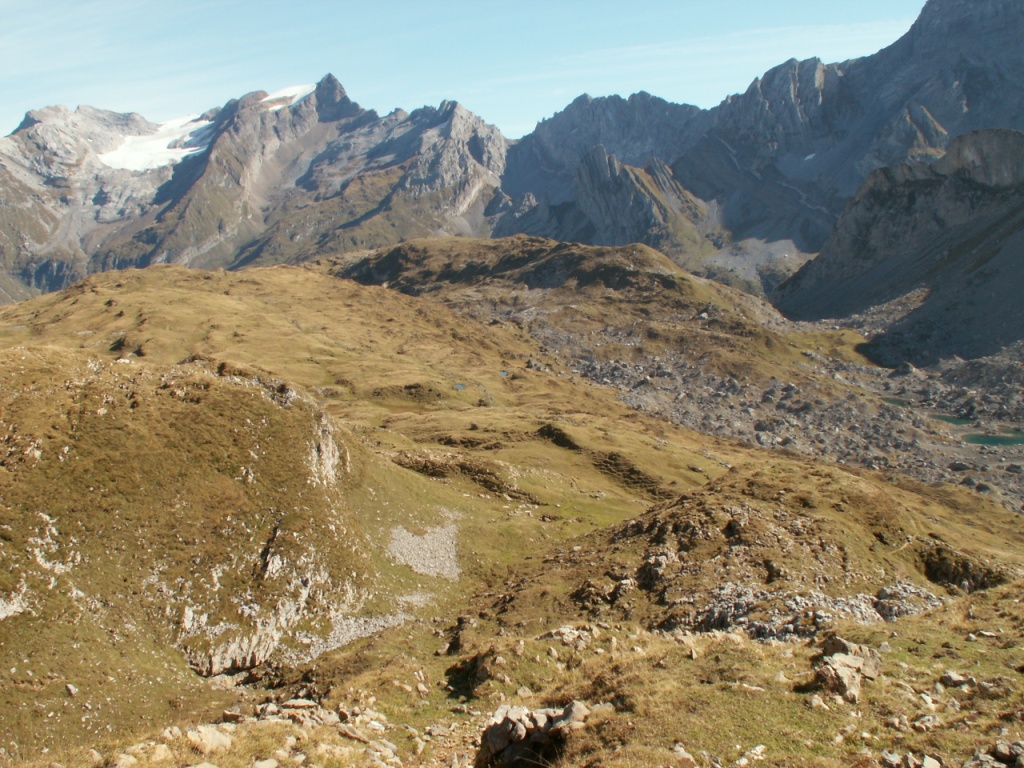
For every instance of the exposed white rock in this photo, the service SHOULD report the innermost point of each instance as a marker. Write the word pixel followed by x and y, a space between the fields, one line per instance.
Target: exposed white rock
pixel 432 554
pixel 206 739
pixel 15 603
pixel 325 457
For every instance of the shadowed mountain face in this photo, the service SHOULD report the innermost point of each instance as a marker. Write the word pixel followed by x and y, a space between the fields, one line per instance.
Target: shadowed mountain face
pixel 939 245
pixel 782 157
pixel 263 180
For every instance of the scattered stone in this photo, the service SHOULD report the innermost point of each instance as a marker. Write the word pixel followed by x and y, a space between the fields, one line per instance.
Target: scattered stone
pixel 752 755
pixel 124 761
pixel 996 688
pixel 872 660
pixel 953 679
pixel 300 704
pixel 841 674
pixel 517 736
pixel 268 711
pixel 573 637
pixel 268 763
pixel 844 665
pixel 683 758
pixel 161 753
pixel 817 702
pixel 999 755
pixel 351 732
pixel 206 739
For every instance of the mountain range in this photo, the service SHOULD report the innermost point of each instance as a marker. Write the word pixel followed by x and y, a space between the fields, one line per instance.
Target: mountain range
pixel 743 192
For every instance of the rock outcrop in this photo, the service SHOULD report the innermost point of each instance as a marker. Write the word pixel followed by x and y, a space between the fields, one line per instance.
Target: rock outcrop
pixel 517 737
pixel 617 204
pixel 636 130
pixel 844 665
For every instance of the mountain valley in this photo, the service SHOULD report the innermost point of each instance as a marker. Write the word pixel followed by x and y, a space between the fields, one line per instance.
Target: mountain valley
pixel 304 461
pixel 660 436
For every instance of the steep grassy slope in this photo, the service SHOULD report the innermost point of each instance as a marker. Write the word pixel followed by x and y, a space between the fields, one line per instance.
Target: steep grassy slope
pixel 220 470
pixel 155 519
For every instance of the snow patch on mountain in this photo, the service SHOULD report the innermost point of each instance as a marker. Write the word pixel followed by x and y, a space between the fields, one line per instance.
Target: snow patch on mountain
pixel 288 96
pixel 173 142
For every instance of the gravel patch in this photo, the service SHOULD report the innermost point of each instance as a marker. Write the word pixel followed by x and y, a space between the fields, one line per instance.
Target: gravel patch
pixel 432 554
pixel 344 630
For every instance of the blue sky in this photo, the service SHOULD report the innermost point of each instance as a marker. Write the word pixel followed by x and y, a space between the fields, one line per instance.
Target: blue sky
pixel 513 63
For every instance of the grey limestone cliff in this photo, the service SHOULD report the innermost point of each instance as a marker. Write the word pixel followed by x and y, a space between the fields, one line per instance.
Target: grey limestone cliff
pixel 941 241
pixel 749 187
pixel 802 138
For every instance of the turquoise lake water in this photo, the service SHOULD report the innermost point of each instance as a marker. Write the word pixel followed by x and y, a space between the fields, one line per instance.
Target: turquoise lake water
pixel 1008 437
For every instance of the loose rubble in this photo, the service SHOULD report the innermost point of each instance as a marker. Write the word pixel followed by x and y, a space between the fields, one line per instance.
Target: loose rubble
pixel 844 665
pixel 518 737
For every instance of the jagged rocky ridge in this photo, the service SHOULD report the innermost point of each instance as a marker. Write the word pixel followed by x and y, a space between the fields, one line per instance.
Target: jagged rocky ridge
pixel 267 182
pixel 735 191
pixel 778 161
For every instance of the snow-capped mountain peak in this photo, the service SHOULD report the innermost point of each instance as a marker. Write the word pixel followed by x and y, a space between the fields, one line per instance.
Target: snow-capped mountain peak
pixel 286 97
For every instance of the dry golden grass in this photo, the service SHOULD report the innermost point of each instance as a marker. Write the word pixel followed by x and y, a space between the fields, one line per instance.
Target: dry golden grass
pixel 443 420
pixel 152 484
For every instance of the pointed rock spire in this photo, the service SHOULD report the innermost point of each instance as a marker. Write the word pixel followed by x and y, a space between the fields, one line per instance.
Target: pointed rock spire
pixel 332 102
